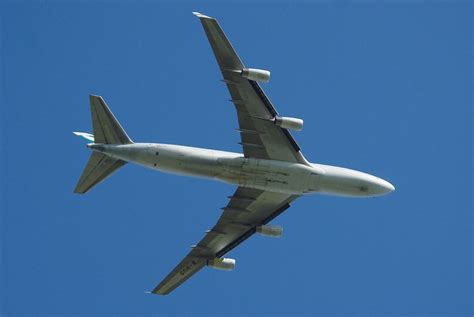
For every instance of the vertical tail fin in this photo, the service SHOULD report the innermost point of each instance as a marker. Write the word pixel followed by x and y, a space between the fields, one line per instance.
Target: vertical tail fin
pixel 89 137
pixel 107 130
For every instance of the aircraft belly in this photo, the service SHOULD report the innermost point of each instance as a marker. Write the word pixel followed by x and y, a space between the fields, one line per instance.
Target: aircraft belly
pixel 269 175
pixel 187 162
pixel 170 158
pixel 276 176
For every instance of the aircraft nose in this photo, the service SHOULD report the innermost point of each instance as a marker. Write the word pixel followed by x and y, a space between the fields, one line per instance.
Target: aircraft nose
pixel 382 187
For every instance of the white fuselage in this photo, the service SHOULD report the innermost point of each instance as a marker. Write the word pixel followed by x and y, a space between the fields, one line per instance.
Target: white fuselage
pixel 234 168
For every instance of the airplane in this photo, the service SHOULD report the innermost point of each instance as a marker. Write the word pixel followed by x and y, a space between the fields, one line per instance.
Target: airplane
pixel 270 173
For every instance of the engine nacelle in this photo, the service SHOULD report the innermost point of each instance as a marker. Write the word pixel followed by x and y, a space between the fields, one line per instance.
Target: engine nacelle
pixel 222 264
pixel 256 74
pixel 289 123
pixel 270 231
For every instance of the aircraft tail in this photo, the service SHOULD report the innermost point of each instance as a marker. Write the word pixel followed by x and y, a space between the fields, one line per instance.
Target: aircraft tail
pixel 107 130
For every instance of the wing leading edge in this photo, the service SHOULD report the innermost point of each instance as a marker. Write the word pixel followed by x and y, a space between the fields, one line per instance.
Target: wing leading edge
pixel 260 137
pixel 246 210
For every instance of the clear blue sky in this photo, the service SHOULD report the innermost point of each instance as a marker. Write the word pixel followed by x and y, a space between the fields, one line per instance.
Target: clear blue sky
pixel 384 88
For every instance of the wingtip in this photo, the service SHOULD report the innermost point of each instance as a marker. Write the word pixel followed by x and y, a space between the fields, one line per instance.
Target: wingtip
pixel 154 293
pixel 200 15
pixel 92 97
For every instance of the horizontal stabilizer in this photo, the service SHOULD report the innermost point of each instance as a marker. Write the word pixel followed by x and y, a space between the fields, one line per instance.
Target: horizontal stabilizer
pixel 97 169
pixel 107 130
pixel 106 127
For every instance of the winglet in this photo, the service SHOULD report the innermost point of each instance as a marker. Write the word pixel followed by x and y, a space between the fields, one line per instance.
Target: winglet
pixel 200 15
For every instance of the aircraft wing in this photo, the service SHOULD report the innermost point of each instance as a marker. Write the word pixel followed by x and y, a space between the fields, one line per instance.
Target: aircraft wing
pixel 247 209
pixel 260 137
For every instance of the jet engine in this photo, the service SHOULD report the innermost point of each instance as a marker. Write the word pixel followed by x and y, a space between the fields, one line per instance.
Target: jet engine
pixel 222 264
pixel 270 231
pixel 289 123
pixel 256 74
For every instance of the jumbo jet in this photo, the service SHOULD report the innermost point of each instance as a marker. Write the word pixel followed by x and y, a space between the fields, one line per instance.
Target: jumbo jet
pixel 270 173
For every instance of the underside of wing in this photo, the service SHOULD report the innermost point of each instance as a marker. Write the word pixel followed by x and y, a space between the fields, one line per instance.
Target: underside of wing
pixel 261 137
pixel 247 210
